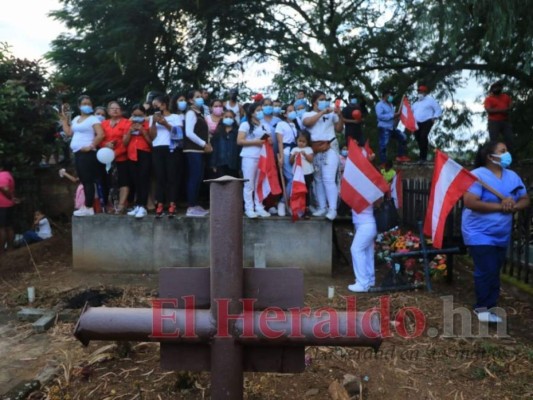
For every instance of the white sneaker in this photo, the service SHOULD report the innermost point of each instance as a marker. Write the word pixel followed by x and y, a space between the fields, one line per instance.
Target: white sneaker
pixel 195 212
pixel 281 209
pixel 84 212
pixel 141 212
pixel 331 215
pixel 357 288
pixel 487 316
pixel 133 212
pixel 262 213
pixel 320 213
pixel 202 210
pixel 273 211
pixel 250 214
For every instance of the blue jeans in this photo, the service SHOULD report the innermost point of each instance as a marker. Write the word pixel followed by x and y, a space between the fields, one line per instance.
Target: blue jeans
pixel 385 134
pixel 195 174
pixel 31 237
pixel 488 261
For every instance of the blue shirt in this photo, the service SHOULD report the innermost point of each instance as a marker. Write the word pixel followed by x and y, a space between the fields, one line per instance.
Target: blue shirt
pixel 385 114
pixel 493 228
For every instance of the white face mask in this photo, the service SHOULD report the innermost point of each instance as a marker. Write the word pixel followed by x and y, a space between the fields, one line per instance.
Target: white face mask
pixel 421 96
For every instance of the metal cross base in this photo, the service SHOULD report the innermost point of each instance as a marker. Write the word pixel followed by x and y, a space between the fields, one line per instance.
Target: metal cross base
pixel 425 252
pixel 229 319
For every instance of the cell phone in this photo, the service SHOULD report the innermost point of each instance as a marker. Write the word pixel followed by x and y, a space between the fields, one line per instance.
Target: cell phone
pixel 265 136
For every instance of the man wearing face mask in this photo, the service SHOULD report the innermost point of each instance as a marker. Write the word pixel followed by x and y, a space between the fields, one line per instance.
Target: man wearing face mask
pixel 387 117
pixel 497 105
pixel 426 110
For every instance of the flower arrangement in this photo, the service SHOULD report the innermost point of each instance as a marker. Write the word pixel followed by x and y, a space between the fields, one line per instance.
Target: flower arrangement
pixel 396 241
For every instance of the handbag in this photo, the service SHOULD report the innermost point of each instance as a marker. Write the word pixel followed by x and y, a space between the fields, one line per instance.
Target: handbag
pixel 386 216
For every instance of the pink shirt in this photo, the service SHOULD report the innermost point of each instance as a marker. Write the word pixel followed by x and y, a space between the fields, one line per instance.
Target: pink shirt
pixel 6 180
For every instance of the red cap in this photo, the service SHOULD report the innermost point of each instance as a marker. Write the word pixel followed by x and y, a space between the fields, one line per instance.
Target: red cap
pixel 258 97
pixel 423 88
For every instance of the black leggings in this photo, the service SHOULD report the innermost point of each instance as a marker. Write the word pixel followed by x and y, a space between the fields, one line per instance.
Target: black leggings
pixel 140 176
pixel 167 174
pixel 87 170
pixel 309 185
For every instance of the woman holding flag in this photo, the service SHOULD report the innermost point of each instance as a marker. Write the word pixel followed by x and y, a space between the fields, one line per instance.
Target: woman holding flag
pixel 487 222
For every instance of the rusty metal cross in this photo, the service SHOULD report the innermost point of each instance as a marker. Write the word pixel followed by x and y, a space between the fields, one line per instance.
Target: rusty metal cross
pixel 228 319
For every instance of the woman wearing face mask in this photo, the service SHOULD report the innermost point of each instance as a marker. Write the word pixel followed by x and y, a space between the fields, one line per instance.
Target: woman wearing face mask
pixel 86 132
pixel 196 146
pixel 99 112
pixel 234 105
pixel 225 159
pixel 271 120
pixel 487 222
pixel 215 116
pixel 322 122
pixel 252 134
pixel 165 157
pixel 115 129
pixel 139 146
pixel 286 134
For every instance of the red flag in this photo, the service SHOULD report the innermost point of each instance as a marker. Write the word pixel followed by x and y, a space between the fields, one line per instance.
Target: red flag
pixel 299 189
pixel 407 117
pixel 361 183
pixel 396 189
pixel 450 181
pixel 267 181
pixel 368 152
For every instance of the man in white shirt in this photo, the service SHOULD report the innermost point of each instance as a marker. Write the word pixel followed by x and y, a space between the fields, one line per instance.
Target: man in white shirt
pixel 426 110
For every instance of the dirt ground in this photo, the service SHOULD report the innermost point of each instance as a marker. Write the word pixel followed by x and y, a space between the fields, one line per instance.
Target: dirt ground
pixel 492 366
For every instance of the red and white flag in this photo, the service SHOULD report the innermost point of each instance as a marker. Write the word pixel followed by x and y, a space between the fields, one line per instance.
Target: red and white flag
pixel 299 190
pixel 267 181
pixel 361 183
pixel 450 181
pixel 396 190
pixel 407 117
pixel 367 150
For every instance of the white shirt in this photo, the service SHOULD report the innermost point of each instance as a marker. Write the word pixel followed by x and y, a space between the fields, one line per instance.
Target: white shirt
pixel 162 137
pixel 190 123
pixel 259 131
pixel 307 167
pixel 426 109
pixel 236 110
pixel 364 217
pixel 324 128
pixel 44 231
pixel 288 132
pixel 83 133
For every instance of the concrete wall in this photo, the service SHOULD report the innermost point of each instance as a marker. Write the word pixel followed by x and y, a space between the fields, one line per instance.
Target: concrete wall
pixel 106 243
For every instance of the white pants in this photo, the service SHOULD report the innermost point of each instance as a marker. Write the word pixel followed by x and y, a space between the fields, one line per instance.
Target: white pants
pixel 363 254
pixel 250 173
pixel 326 165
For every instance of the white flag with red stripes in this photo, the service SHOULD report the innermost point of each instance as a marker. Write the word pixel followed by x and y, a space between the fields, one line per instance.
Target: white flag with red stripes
pixel 450 181
pixel 299 190
pixel 396 190
pixel 267 180
pixel 361 183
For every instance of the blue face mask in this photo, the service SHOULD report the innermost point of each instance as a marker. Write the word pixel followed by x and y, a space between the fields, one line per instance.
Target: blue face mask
pixel 199 101
pixel 182 105
pixel 505 159
pixel 259 115
pixel 344 153
pixel 390 99
pixel 101 118
pixel 292 115
pixel 353 101
pixel 138 120
pixel 322 105
pixel 268 110
pixel 228 121
pixel 300 113
pixel 277 110
pixel 86 109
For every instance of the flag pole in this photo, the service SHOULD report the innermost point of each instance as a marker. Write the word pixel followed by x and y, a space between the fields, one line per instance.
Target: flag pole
pixel 491 189
pixel 399 109
pixel 287 206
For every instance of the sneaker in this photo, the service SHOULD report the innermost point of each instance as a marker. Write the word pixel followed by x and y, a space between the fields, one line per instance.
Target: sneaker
pixel 133 213
pixel 320 212
pixel 331 215
pixel 159 210
pixel 273 211
pixel 84 212
pixel 262 213
pixel 357 288
pixel 281 209
pixel 141 212
pixel 194 212
pixel 487 316
pixel 171 210
pixel 250 214
pixel 202 210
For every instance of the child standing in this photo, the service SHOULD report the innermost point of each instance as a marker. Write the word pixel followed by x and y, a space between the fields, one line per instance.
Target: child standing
pixel 303 147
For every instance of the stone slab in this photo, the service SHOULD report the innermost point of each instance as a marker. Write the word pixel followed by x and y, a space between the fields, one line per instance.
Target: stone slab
pixel 44 323
pixel 31 314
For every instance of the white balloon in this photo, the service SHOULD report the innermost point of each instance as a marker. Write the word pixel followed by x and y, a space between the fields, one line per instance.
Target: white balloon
pixel 105 155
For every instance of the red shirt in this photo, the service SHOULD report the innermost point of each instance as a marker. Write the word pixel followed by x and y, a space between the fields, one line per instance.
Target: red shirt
pixel 6 180
pixel 138 142
pixel 498 101
pixel 116 134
